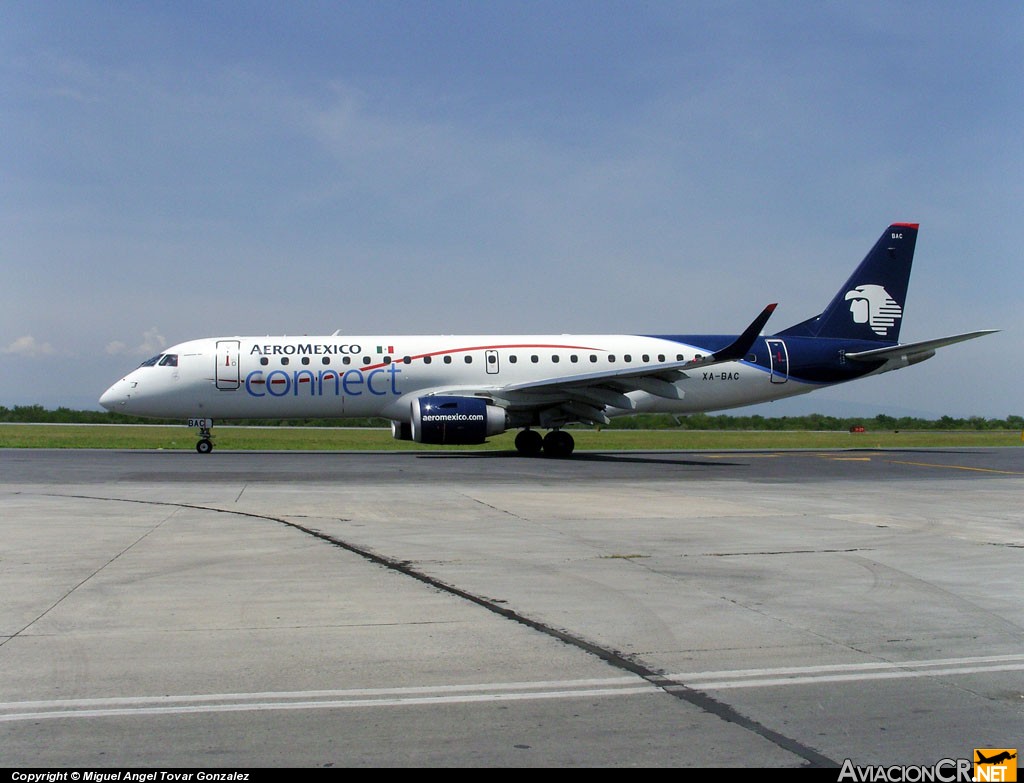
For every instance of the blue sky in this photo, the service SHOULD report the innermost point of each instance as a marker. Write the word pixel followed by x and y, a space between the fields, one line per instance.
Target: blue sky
pixel 179 170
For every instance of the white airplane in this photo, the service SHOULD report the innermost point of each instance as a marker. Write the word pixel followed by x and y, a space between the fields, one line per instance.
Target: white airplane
pixel 459 390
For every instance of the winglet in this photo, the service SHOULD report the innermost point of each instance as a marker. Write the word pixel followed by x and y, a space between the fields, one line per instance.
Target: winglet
pixel 742 344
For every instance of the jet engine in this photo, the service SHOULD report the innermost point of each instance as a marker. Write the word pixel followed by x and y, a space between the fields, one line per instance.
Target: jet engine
pixel 457 421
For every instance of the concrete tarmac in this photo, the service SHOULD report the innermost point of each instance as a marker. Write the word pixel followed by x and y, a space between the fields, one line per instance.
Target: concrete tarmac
pixel 740 609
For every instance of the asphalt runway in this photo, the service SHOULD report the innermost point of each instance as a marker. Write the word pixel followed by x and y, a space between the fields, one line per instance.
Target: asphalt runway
pixel 740 609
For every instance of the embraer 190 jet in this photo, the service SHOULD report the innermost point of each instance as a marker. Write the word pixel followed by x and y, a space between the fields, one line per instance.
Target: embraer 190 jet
pixel 459 390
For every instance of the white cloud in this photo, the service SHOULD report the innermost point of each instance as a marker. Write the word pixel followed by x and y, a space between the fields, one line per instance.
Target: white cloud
pixel 152 343
pixel 29 346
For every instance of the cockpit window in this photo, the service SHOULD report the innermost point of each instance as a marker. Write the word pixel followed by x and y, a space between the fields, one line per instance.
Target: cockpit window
pixel 163 359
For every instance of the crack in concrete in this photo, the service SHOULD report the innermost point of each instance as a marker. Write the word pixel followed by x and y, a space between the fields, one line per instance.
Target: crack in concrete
pixel 679 690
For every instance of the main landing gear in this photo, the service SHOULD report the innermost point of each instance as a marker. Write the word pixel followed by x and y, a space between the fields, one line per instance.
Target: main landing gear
pixel 557 443
pixel 205 444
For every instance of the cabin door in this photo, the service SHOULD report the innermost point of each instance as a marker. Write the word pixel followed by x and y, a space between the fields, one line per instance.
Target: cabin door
pixel 778 356
pixel 228 372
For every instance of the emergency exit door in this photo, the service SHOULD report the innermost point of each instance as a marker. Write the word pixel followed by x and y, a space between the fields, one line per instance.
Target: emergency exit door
pixel 491 362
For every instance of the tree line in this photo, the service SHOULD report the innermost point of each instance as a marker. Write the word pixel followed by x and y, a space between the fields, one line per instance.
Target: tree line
pixel 37 414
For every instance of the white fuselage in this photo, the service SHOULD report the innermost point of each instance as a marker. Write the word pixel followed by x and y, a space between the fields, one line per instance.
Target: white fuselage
pixel 343 376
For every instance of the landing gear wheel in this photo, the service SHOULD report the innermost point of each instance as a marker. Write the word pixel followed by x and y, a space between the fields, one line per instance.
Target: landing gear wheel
pixel 558 444
pixel 205 444
pixel 529 443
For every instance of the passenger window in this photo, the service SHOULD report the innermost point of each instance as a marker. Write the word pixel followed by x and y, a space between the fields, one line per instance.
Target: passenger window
pixel 264 361
pixel 284 360
pixel 645 358
pixel 513 359
pixel 534 358
pixel 469 359
pixel 593 357
pixel 611 357
pixel 627 358
pixel 326 360
pixel 305 360
pixel 428 359
pixel 366 360
pixel 387 360
pixel 346 360
pixel 573 358
pixel 555 358
pixel 447 359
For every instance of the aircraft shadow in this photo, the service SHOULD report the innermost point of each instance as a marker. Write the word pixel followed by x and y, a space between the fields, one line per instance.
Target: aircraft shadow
pixel 588 457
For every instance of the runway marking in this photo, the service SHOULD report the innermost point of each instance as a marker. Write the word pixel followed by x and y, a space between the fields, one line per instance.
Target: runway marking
pixel 323 699
pixel 477 693
pixel 958 467
pixel 850 672
pixel 742 454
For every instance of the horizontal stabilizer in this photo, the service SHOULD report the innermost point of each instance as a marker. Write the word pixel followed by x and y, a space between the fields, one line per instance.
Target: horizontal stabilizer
pixel 912 349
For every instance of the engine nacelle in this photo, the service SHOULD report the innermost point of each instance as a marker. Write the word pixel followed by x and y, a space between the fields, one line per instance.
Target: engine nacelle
pixel 457 421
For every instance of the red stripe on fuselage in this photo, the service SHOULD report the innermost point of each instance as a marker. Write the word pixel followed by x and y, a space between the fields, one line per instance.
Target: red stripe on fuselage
pixel 481 348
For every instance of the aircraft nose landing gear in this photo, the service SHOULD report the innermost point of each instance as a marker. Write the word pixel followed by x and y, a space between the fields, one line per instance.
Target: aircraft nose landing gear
pixel 205 444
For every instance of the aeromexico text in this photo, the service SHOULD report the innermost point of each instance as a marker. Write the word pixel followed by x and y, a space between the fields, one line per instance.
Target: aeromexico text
pixel 307 349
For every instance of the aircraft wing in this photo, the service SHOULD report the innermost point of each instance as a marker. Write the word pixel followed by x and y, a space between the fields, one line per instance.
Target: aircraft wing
pixel 584 397
pixel 914 351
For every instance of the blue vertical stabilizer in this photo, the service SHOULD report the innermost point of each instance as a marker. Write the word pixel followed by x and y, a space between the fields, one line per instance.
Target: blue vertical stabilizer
pixel 870 305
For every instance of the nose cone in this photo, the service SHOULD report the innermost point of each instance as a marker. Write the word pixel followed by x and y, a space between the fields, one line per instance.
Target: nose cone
pixel 116 397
